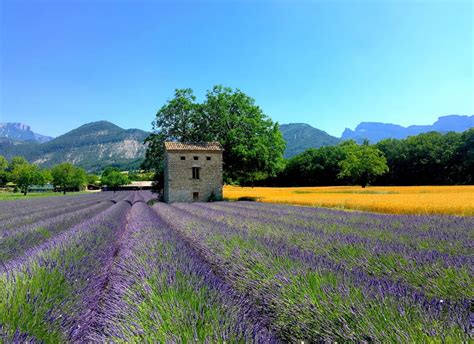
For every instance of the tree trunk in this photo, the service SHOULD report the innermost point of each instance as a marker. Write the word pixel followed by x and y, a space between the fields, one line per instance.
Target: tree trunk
pixel 64 191
pixel 364 180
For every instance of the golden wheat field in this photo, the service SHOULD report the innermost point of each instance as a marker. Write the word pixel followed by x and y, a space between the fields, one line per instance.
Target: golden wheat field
pixel 450 200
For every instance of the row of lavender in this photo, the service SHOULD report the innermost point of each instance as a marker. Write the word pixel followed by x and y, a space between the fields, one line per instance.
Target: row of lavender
pixel 86 283
pixel 45 280
pixel 242 272
pixel 330 275
pixel 20 231
pixel 42 295
pixel 162 290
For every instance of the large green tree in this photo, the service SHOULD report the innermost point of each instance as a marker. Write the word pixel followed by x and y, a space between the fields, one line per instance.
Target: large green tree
pixel 113 178
pixel 24 175
pixel 66 177
pixel 362 163
pixel 253 144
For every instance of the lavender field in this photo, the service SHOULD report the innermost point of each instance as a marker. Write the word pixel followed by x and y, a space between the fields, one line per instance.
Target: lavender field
pixel 111 268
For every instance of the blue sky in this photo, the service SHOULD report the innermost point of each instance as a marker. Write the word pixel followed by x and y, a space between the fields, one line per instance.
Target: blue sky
pixel 331 64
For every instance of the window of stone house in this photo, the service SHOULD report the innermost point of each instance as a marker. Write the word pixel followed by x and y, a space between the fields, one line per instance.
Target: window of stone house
pixel 183 158
pixel 208 158
pixel 196 172
pixel 196 158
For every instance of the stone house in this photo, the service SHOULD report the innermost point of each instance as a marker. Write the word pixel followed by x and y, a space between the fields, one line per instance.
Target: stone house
pixel 192 171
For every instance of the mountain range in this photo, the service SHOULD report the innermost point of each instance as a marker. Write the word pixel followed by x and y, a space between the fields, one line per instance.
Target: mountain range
pixel 99 144
pixel 375 131
pixel 301 136
pixel 92 146
pixel 21 132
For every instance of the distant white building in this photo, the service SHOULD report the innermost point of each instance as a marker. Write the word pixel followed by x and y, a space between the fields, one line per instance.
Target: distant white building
pixel 138 185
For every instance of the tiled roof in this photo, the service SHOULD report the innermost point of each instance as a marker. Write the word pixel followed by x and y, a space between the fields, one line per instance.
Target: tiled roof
pixel 193 146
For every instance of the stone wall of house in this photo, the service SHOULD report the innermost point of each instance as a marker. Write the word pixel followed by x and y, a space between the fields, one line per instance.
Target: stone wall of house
pixel 179 185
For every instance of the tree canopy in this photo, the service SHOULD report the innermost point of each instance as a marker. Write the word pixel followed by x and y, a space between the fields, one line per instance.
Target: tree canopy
pixel 253 144
pixel 24 175
pixel 66 177
pixel 430 159
pixel 313 167
pixel 113 178
pixel 361 163
pixel 16 161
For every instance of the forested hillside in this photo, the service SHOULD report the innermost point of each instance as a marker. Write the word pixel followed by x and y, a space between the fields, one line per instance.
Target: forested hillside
pixel 301 136
pixel 91 146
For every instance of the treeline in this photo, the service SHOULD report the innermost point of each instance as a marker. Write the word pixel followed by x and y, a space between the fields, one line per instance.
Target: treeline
pixel 20 175
pixel 426 159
